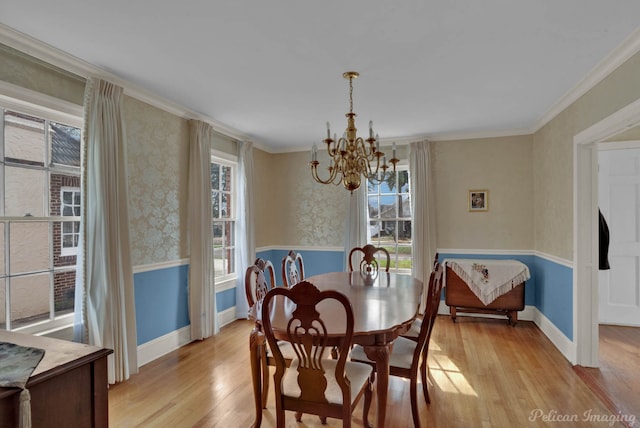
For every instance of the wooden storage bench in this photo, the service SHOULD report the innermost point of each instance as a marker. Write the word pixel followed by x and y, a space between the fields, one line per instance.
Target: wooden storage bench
pixel 460 298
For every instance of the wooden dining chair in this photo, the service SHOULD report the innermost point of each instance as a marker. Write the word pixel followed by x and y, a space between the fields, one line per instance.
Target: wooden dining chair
pixel 416 326
pixel 312 383
pixel 368 262
pixel 292 269
pixel 256 287
pixel 407 356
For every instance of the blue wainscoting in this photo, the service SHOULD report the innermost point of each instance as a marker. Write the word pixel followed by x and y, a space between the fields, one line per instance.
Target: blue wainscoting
pixel 162 294
pixel 315 261
pixel 161 301
pixel 554 293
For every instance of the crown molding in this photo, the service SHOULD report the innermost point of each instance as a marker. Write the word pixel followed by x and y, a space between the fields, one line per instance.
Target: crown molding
pixel 54 56
pixel 629 47
pixel 49 54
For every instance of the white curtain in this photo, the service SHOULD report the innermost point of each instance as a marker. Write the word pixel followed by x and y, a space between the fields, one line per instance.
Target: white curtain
pixel 105 306
pixel 357 224
pixel 423 208
pixel 202 295
pixel 245 238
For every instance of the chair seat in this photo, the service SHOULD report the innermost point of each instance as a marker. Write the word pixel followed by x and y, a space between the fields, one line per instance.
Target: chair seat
pixel 401 355
pixel 414 330
pixel 357 373
pixel 285 347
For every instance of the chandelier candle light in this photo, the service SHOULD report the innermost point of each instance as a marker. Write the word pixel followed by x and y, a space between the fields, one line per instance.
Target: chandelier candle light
pixel 352 157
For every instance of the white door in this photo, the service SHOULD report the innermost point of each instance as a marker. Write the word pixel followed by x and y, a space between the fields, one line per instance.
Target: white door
pixel 619 201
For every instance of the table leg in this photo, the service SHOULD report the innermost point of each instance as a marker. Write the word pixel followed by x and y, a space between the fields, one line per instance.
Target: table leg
pixel 380 354
pixel 256 342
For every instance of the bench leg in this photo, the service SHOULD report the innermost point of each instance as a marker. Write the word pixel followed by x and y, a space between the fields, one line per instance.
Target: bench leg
pixel 452 312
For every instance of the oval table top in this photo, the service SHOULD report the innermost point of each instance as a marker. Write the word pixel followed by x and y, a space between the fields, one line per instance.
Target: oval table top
pixel 382 305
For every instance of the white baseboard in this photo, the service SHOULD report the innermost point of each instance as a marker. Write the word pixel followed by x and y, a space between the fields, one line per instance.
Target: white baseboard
pixel 227 316
pixel 564 345
pixel 531 313
pixel 162 345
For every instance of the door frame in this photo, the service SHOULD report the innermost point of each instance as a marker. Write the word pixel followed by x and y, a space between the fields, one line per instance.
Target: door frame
pixel 585 229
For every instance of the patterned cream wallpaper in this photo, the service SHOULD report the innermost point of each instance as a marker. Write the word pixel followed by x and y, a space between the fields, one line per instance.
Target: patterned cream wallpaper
pixel 301 212
pixel 503 166
pixel 157 151
pixel 553 156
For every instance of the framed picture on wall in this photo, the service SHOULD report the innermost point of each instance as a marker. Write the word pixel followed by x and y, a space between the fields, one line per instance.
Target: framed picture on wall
pixel 478 200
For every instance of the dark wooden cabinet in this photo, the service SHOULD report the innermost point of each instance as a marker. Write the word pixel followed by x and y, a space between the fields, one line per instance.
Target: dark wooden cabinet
pixel 68 388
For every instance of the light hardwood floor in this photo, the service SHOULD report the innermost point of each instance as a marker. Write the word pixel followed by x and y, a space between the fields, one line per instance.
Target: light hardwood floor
pixel 484 373
pixel 617 380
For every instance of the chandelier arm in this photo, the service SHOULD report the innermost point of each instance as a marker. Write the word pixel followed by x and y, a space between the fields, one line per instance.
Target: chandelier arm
pixel 333 173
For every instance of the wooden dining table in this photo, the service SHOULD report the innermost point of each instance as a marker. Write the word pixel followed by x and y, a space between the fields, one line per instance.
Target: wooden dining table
pixel 384 306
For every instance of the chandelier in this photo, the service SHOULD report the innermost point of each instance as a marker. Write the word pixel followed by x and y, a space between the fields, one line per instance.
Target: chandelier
pixel 352 157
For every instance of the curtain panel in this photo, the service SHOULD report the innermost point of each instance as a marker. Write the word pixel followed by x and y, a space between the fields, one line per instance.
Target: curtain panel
pixel 423 208
pixel 202 296
pixel 105 306
pixel 245 235
pixel 356 232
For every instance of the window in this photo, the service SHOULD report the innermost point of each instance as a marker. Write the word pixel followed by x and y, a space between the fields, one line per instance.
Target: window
pixel 40 169
pixel 389 205
pixel 70 207
pixel 223 213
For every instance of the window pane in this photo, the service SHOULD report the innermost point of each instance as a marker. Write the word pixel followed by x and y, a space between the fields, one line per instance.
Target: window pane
pixel 29 244
pixel 215 203
pixel 24 192
pixel 67 227
pixel 67 198
pixel 24 138
pixel 403 181
pixel 405 208
pixel 215 176
pixel 226 178
pixel 374 207
pixel 29 299
pixel 388 206
pixel 375 226
pixel 68 211
pixel 76 200
pixel 219 264
pixel 67 241
pixel 217 233
pixel 65 144
pixel 404 234
pixel 64 285
pixel 224 212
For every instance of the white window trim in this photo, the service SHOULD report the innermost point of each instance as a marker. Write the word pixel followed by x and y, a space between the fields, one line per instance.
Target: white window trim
pixel 23 100
pixel 222 282
pixel 401 166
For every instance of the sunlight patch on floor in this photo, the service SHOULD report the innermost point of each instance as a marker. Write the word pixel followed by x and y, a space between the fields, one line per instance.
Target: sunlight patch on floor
pixel 446 375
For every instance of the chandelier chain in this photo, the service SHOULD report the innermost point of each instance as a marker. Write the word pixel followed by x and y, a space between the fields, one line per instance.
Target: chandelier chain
pixel 350 94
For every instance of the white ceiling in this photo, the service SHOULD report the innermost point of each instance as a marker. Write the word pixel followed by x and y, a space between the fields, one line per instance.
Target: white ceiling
pixel 272 70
